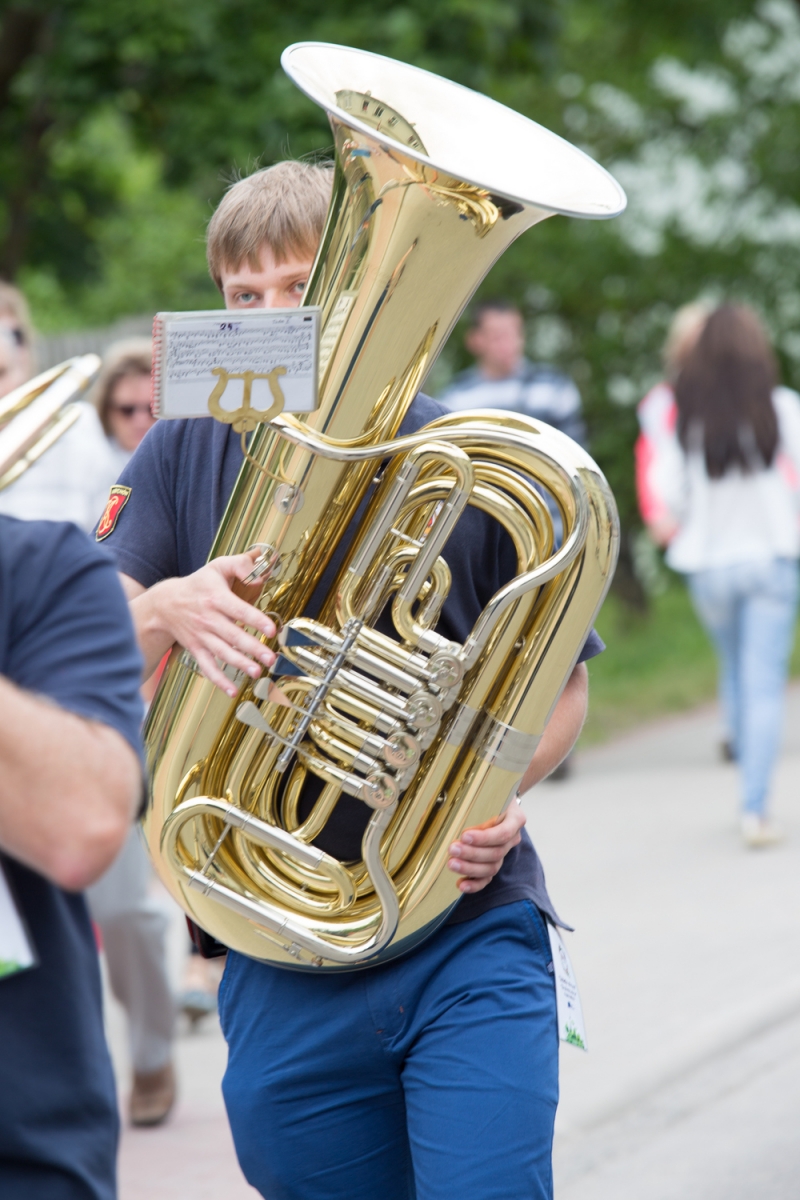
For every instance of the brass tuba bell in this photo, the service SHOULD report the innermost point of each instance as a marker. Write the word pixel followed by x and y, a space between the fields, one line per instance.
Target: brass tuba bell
pixel 432 183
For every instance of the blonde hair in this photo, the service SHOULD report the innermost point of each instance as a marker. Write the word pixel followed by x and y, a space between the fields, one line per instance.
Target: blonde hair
pixel 685 328
pixel 133 356
pixel 283 206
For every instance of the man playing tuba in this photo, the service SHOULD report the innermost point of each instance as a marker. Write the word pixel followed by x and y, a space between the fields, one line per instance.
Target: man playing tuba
pixel 434 1074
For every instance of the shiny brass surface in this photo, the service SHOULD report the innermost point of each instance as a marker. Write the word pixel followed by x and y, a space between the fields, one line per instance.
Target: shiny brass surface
pixel 34 416
pixel 429 735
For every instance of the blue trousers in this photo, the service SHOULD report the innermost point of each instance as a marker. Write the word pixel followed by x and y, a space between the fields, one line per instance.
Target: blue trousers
pixel 749 610
pixel 430 1077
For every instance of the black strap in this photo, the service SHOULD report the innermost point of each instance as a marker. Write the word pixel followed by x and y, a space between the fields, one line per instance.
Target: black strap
pixel 205 945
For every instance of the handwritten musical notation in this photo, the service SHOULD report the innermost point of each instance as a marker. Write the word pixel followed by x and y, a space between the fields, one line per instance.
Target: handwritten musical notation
pixel 192 349
pixel 193 353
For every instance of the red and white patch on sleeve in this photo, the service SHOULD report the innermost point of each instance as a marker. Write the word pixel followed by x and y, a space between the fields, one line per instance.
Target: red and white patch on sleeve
pixel 117 499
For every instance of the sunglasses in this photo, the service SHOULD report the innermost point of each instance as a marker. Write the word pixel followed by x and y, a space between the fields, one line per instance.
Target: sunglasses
pixel 130 410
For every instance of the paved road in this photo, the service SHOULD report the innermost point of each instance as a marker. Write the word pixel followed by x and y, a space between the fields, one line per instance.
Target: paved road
pixel 687 950
pixel 192 1155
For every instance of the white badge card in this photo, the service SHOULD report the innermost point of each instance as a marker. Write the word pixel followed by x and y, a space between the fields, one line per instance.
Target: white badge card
pixel 238 364
pixel 568 1002
pixel 16 951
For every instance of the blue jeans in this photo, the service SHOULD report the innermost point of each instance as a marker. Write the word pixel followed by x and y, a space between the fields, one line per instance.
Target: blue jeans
pixel 432 1076
pixel 749 610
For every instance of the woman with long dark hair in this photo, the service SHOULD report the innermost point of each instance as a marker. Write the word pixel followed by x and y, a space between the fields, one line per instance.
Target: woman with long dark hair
pixel 729 478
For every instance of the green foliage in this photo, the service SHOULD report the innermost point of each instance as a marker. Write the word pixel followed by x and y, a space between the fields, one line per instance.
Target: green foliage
pixel 120 124
pixel 696 109
pixel 660 661
pixel 193 92
pixel 148 249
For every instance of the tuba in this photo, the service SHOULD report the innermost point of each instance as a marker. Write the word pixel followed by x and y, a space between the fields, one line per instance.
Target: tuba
pixel 37 413
pixel 432 183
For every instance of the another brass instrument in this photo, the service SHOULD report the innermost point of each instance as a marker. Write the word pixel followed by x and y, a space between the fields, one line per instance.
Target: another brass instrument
pixel 34 416
pixel 430 735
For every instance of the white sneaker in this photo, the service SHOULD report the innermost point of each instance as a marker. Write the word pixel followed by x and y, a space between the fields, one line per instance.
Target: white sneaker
pixel 758 831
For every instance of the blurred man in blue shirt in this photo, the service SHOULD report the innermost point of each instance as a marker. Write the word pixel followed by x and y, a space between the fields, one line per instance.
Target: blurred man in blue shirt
pixel 504 378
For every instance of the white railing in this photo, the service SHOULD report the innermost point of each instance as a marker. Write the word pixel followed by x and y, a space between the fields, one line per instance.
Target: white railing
pixel 54 349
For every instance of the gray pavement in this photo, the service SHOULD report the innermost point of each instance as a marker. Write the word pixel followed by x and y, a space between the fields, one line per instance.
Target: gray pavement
pixel 687 952
pixel 192 1155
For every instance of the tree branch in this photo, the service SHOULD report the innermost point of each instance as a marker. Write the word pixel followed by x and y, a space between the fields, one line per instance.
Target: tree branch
pixel 18 37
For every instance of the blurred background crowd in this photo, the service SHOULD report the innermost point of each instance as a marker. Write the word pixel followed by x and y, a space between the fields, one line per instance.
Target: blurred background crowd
pixel 121 126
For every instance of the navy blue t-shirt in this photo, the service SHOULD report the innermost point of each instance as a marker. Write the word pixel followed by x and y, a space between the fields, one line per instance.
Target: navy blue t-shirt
pixel 66 634
pixel 180 479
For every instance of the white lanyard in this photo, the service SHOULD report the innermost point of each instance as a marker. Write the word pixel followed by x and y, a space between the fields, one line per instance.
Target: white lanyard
pixel 568 1002
pixel 16 951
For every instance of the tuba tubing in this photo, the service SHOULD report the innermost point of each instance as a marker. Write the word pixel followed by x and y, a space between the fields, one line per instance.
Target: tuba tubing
pixel 432 183
pixel 34 416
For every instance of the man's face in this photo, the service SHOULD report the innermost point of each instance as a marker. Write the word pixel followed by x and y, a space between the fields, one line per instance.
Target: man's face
pixel 498 343
pixel 271 285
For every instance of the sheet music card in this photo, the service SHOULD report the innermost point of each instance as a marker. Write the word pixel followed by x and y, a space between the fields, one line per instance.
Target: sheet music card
pixel 242 366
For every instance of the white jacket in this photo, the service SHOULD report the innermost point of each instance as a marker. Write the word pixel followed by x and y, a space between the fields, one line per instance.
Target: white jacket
pixel 70 481
pixel 740 517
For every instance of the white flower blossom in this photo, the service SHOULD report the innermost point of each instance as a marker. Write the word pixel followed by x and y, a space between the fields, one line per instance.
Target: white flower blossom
pixel 703 93
pixel 619 109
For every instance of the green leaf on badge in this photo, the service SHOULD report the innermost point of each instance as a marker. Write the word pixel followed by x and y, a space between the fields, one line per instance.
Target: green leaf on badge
pixel 573 1038
pixel 8 967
